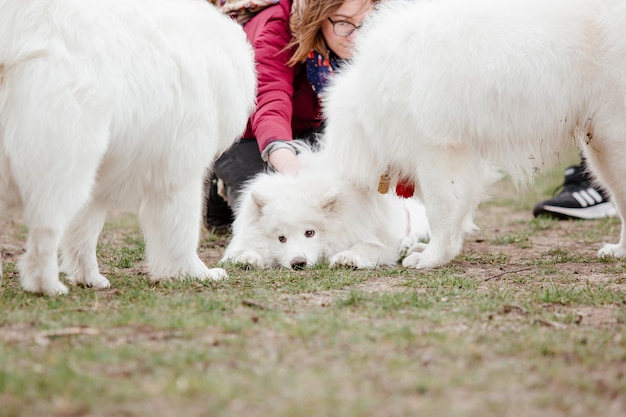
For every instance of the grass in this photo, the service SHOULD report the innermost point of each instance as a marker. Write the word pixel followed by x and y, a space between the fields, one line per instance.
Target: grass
pixel 282 347
pixel 520 324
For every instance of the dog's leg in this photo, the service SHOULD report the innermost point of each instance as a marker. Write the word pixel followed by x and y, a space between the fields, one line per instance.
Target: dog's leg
pixel 452 187
pixel 39 270
pixel 55 159
pixel 243 246
pixel 171 226
pixel 48 213
pixel 387 244
pixel 248 245
pixel 445 242
pixel 78 248
pixel 418 230
pixel 607 163
pixel 615 250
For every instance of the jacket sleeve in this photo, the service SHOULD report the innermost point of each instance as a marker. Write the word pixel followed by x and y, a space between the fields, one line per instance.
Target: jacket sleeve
pixel 272 117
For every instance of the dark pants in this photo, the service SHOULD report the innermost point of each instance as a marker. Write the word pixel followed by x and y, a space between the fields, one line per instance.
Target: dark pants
pixel 237 165
pixel 242 162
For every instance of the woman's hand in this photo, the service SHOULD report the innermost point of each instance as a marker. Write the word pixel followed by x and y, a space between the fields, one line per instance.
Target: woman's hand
pixel 284 160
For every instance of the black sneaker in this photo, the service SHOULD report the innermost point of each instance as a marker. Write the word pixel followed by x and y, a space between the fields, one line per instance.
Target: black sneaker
pixel 578 199
pixel 217 215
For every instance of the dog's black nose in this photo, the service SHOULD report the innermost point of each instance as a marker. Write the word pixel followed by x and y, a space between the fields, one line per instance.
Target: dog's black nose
pixel 298 263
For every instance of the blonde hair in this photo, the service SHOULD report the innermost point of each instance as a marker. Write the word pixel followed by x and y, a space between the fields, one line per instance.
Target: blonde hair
pixel 305 23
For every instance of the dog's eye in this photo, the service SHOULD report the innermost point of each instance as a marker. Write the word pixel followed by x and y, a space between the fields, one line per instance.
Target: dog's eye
pixel 309 233
pixel 282 239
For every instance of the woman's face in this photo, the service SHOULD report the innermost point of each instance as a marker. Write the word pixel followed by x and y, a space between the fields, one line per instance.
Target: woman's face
pixel 351 11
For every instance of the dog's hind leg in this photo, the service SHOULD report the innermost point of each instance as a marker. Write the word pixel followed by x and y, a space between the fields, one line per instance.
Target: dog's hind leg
pixel 53 200
pixel 54 157
pixel 39 271
pixel 452 187
pixel 78 248
pixel 171 226
pixel 54 192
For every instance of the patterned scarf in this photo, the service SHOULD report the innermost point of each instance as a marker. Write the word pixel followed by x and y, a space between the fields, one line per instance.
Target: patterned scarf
pixel 242 10
pixel 320 69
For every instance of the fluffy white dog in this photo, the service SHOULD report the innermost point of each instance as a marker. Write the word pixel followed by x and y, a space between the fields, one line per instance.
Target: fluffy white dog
pixel 117 102
pixel 451 92
pixel 297 221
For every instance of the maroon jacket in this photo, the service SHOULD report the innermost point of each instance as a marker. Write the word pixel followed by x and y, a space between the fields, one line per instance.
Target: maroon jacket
pixel 287 106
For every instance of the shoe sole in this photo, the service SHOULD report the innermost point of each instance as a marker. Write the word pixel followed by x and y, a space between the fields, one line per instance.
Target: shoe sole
pixel 598 211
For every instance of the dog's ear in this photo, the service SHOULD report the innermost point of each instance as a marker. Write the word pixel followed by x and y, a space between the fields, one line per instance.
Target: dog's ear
pixel 258 202
pixel 330 202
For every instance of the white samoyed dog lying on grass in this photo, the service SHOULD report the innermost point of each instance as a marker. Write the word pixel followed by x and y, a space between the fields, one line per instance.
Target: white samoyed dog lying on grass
pixel 117 102
pixel 451 92
pixel 296 221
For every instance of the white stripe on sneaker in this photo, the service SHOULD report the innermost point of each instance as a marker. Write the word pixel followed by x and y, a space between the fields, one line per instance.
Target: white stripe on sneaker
pixel 588 197
pixel 582 198
pixel 596 195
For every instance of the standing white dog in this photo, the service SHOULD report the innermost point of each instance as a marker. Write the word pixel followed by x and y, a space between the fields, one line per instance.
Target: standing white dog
pixel 450 92
pixel 117 102
pixel 297 221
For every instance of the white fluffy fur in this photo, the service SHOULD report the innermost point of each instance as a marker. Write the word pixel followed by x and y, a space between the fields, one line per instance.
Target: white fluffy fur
pixel 117 102
pixel 298 221
pixel 450 92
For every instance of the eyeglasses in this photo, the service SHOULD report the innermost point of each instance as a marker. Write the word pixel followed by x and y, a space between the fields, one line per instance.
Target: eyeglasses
pixel 343 28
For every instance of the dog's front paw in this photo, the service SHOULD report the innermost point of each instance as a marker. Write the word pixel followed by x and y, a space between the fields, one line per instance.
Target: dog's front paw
pixel 424 259
pixel 612 251
pixel 352 260
pixel 48 288
pixel 198 271
pixel 55 288
pixel 35 283
pixel 412 260
pixel 249 258
pixel 405 246
pixel 214 274
pixel 409 245
pixel 96 281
